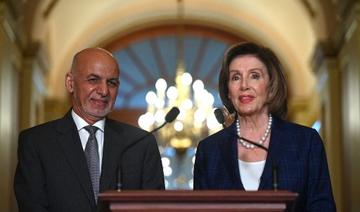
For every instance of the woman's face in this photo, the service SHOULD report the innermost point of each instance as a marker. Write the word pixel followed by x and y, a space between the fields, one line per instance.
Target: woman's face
pixel 248 85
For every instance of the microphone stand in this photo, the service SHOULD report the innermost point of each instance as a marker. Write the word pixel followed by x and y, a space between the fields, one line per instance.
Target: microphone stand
pixel 170 116
pixel 274 168
pixel 254 143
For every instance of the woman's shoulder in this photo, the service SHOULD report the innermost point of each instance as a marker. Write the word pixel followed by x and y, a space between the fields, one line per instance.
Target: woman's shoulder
pixel 297 133
pixel 286 125
pixel 220 136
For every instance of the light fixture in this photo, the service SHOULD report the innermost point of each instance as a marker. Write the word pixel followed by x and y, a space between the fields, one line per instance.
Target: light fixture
pixel 196 119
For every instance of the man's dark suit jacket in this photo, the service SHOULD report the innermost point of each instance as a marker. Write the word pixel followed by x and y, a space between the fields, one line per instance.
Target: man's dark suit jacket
pixel 298 152
pixel 52 173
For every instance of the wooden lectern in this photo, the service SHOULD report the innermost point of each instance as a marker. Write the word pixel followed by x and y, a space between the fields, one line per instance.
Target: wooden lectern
pixel 199 200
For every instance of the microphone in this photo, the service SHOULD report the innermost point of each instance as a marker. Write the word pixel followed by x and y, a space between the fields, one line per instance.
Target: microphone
pixel 170 117
pixel 219 115
pixel 221 119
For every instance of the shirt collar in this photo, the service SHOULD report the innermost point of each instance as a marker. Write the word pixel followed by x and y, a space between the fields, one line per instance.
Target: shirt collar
pixel 81 123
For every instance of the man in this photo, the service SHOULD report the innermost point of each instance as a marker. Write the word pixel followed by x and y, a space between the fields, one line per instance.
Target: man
pixel 59 161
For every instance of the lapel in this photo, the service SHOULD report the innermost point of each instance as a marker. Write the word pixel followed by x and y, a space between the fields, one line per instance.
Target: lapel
pixel 274 153
pixel 70 143
pixel 113 146
pixel 228 148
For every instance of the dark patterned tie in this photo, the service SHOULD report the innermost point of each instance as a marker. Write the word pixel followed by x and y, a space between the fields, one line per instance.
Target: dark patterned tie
pixel 92 157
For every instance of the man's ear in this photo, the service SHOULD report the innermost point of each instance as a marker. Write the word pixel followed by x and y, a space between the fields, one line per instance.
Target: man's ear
pixel 69 82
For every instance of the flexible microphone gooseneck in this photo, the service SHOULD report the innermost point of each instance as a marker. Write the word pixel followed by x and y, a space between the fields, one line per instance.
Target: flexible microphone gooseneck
pixel 170 117
pixel 221 119
pixel 220 116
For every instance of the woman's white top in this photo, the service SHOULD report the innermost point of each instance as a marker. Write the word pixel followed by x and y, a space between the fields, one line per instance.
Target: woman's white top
pixel 250 173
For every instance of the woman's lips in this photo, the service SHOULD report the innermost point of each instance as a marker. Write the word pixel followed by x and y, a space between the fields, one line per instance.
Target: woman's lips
pixel 246 99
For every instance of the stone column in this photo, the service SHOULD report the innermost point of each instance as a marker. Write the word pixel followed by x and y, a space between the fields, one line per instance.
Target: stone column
pixel 10 67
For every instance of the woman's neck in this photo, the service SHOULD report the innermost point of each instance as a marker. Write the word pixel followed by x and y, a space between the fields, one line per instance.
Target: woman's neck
pixel 253 122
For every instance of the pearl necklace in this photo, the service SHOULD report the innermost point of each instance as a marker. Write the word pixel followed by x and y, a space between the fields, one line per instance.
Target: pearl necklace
pixel 261 141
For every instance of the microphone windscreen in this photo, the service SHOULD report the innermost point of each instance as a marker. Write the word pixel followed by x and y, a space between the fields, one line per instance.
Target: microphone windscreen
pixel 219 116
pixel 172 114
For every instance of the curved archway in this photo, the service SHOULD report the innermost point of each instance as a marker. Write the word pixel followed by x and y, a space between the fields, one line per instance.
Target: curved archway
pixel 285 27
pixel 151 53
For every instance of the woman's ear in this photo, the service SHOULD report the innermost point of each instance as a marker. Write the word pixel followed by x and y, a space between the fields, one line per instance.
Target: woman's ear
pixel 69 82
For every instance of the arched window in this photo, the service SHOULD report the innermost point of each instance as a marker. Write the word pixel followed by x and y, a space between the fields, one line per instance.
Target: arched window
pixel 148 54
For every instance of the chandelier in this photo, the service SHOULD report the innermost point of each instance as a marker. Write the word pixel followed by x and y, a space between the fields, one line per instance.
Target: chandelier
pixel 196 119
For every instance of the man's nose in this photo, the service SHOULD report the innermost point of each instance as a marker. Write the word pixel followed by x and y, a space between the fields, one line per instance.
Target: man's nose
pixel 103 89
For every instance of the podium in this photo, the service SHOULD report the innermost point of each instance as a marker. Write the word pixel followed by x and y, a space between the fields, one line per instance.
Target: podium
pixel 198 200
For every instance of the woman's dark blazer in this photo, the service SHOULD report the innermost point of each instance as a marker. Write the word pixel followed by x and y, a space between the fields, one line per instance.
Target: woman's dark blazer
pixel 296 150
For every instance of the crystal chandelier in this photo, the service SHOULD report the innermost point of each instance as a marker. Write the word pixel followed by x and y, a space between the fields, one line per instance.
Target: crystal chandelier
pixel 196 119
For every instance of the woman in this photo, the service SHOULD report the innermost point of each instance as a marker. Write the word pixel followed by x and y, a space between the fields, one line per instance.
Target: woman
pixel 253 87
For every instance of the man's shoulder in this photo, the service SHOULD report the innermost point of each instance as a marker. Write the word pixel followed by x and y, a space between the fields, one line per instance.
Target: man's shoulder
pixel 128 133
pixel 122 126
pixel 42 127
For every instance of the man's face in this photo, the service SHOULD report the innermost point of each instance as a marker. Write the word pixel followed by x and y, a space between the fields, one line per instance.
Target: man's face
pixel 93 83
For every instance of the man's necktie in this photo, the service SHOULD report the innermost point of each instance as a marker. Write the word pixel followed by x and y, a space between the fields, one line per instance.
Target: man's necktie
pixel 92 157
